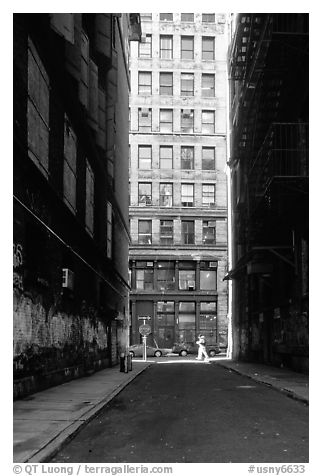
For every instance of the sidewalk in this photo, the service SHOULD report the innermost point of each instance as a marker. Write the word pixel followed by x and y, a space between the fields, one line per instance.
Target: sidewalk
pixel 294 384
pixel 43 421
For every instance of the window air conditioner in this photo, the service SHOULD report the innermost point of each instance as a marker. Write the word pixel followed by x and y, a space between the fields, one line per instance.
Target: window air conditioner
pixel 68 279
pixel 191 285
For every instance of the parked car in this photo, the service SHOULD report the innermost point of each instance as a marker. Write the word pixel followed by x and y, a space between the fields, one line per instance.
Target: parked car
pixel 136 350
pixel 185 348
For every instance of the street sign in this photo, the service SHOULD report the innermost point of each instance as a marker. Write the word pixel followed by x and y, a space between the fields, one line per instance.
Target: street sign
pixel 145 330
pixel 144 318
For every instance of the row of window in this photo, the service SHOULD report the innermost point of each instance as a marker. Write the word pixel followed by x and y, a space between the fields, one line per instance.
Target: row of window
pixel 185 17
pixel 166 235
pixel 187 125
pixel 187 47
pixel 163 276
pixel 187 157
pixel 187 315
pixel 38 144
pixel 166 195
pixel 186 84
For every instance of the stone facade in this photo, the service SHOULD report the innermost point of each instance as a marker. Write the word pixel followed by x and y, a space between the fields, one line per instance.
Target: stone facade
pixel 149 66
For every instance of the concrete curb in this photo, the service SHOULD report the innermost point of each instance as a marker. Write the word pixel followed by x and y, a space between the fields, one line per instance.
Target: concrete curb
pixel 291 393
pixel 53 446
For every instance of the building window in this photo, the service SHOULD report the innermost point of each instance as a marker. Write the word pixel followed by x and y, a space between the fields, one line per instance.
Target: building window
pixel 145 82
pixel 165 276
pixel 166 232
pixel 144 276
pixel 145 156
pixel 208 195
pixel 187 322
pixel 145 47
pixel 165 194
pixel 166 157
pixel 166 120
pixel 187 194
pixel 208 18
pixel 188 17
pixel 208 122
pixel 38 111
pixel 109 230
pixel 145 120
pixel 145 232
pixel 89 199
pixel 208 85
pixel 166 16
pixel 187 276
pixel 208 276
pixel 187 84
pixel 187 116
pixel 146 16
pixel 70 176
pixel 209 232
pixel 145 194
pixel 187 47
pixel 208 48
pixel 188 232
pixel 166 47
pixel 165 313
pixel 208 158
pixel 166 84
pixel 187 158
pixel 208 318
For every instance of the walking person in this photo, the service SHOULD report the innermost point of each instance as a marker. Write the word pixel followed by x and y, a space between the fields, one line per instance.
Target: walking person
pixel 202 348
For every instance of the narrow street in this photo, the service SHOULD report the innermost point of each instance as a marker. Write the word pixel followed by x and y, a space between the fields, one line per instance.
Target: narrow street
pixel 192 412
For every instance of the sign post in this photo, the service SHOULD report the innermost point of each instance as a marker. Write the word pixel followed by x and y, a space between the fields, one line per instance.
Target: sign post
pixel 144 330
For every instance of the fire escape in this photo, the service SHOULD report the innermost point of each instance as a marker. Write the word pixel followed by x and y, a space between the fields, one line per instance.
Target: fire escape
pixel 269 158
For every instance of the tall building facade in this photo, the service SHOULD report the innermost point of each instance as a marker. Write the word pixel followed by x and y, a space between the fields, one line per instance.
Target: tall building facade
pixel 268 68
pixel 178 196
pixel 71 234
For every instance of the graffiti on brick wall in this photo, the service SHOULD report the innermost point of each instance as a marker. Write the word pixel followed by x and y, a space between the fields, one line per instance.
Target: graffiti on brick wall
pixel 50 339
pixel 17 266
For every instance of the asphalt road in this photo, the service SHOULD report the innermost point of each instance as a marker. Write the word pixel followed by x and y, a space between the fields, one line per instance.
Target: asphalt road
pixel 192 412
